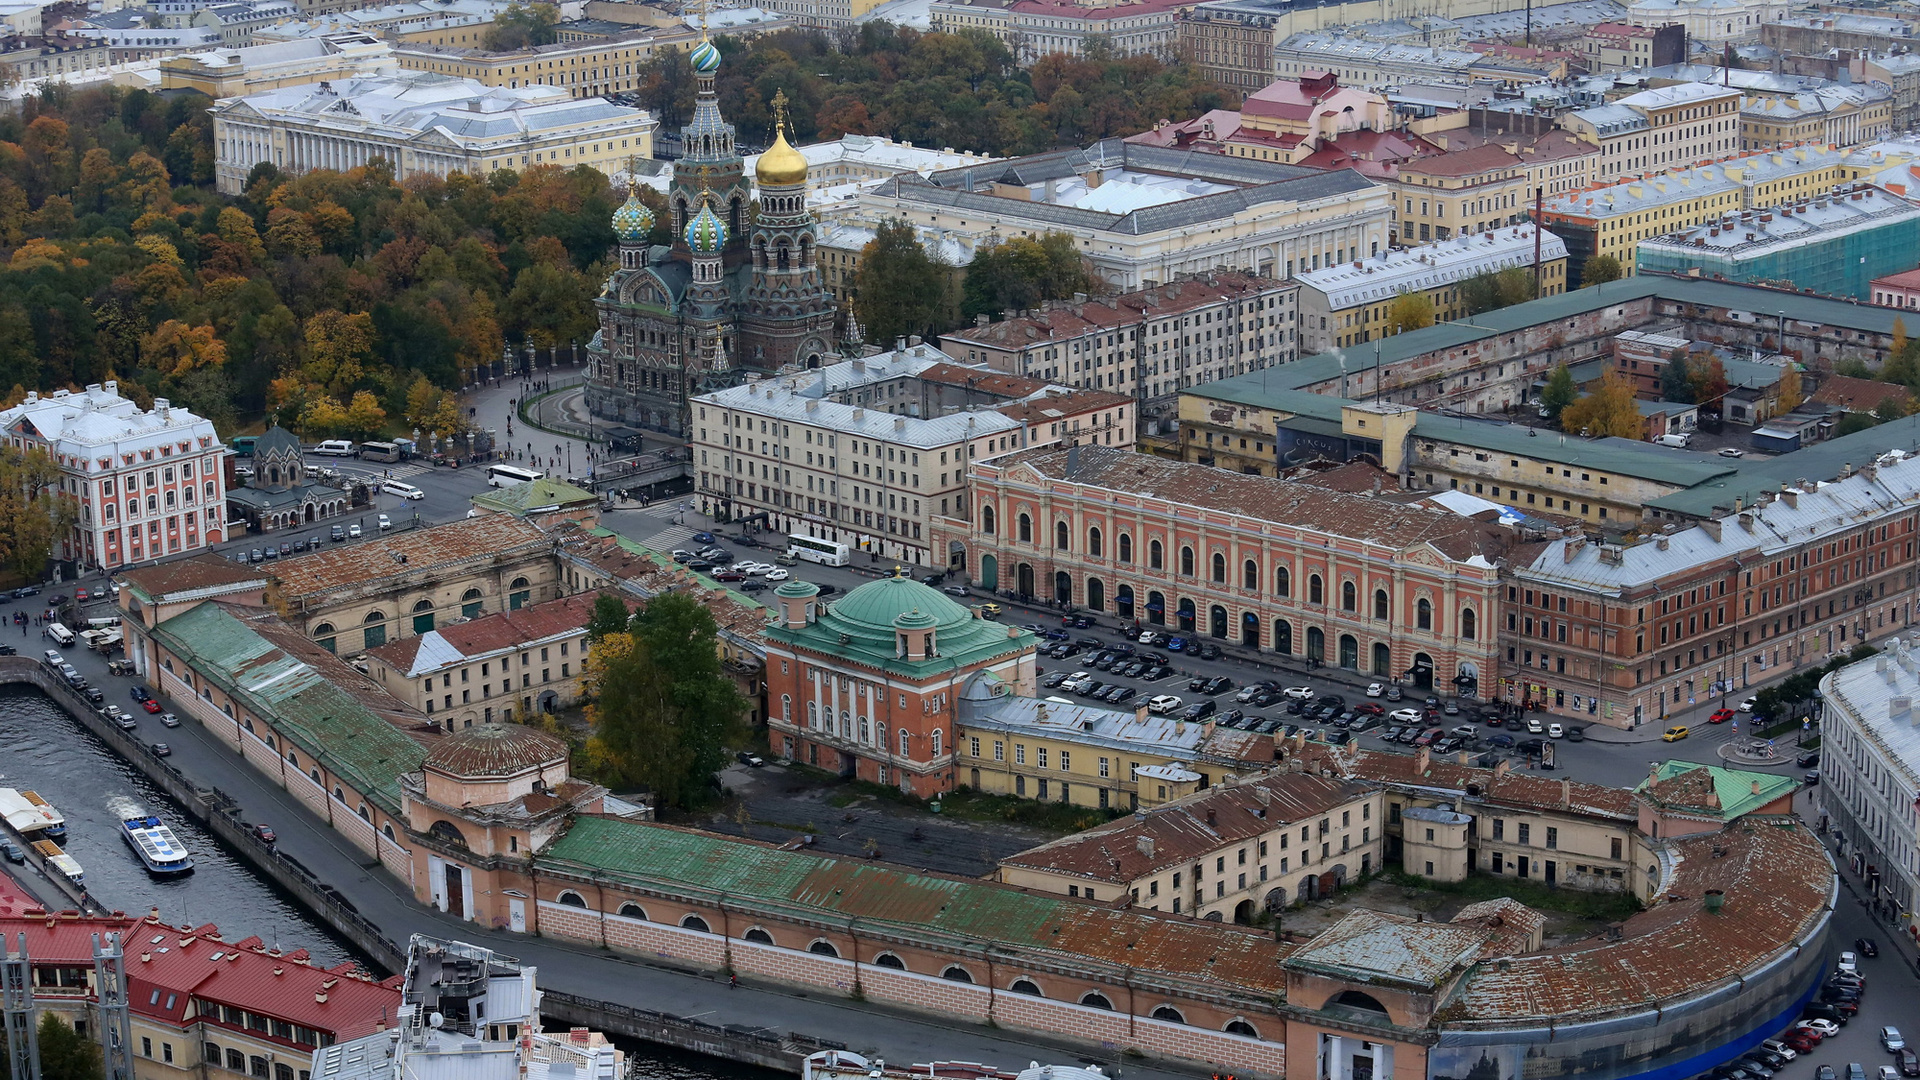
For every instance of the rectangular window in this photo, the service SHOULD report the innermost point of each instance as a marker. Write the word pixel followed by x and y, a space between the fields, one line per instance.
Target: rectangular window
pixel 1553 837
pixel 1525 833
pixel 1019 753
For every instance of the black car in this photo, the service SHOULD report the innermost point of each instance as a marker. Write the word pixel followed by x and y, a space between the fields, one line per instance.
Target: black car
pixel 1835 995
pixel 1768 1058
pixel 1219 684
pixel 139 693
pixel 12 852
pixel 1908 1062
pixel 1865 947
pixel 1199 710
pixel 1196 684
pixel 94 695
pixel 1340 738
pixel 1808 760
pixel 1207 651
pixel 1120 694
pixel 23 593
pixel 1822 1012
pixel 829 590
pixel 1055 679
pixel 752 585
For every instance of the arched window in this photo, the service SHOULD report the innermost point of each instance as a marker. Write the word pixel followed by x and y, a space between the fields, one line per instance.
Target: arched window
pixel 1283 637
pixel 888 960
pixel 935 741
pixel 1219 568
pixel 1379 603
pixel 631 910
pixel 1096 595
pixel 823 947
pixel 1060 532
pixel 572 899
pixel 518 594
pixel 1186 561
pixel 1093 999
pixel 986 520
pixel 1126 547
pixel 1348 596
pixel 1282 581
pixel 422 616
pixel 1094 547
pixel 1316 590
pixel 1026 986
pixel 1423 614
pixel 1241 1027
pixel 1156 556
pixel 1469 624
pixel 470 602
pixel 1250 575
pixel 956 973
pixel 1169 1014
pixel 695 922
pixel 1026 529
pixel 758 936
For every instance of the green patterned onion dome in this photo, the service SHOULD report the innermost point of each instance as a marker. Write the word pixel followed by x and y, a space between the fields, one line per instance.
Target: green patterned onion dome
pixel 705 57
pixel 706 233
pixel 633 220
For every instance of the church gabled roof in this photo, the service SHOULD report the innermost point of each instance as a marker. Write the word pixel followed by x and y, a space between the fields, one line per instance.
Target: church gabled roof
pixel 277 440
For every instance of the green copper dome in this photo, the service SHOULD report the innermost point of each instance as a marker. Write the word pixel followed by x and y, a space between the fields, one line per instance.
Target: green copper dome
pixel 881 604
pixel 706 233
pixel 633 220
pixel 797 589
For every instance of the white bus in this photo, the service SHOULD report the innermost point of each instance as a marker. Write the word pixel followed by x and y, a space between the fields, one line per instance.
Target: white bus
pixel 825 552
pixel 504 475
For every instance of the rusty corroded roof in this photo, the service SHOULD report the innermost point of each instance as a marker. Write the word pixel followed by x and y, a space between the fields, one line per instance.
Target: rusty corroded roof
pixel 1374 947
pixel 492 750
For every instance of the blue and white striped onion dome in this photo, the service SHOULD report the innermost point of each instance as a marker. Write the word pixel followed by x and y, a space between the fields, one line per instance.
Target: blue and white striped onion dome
pixel 706 233
pixel 705 57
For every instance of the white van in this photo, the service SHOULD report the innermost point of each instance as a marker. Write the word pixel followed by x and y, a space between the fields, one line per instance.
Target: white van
pixel 334 448
pixel 1681 441
pixel 405 491
pixel 60 634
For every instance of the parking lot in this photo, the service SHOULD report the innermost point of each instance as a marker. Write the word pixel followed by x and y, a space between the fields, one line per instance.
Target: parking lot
pixel 1124 674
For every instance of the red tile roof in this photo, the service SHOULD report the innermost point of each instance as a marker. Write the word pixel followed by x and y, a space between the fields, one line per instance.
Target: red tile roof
pixel 502 630
pixel 409 552
pixel 1858 395
pixel 187 575
pixel 198 962
pixel 1906 279
pixel 1065 321
pixel 1469 162
pixel 1079 11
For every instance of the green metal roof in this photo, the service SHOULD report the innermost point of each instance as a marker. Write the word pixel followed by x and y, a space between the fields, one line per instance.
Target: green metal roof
pixel 519 498
pixel 322 719
pixel 859 627
pixel 767 876
pixel 1265 388
pixel 1736 790
pixel 878 603
pixel 1816 461
pixel 1624 457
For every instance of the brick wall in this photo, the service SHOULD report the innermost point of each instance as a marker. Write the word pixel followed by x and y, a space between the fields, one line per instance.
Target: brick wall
pixel 928 993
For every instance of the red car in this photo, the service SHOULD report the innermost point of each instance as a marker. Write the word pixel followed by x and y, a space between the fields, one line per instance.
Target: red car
pixel 151 705
pixel 264 832
pixel 1371 708
pixel 1720 716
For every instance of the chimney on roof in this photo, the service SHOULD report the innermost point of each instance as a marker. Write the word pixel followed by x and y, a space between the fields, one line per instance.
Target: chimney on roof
pixel 1422 761
pixel 1213 818
pixel 1900 708
pixel 1145 844
pixel 1566 793
pixel 1653 771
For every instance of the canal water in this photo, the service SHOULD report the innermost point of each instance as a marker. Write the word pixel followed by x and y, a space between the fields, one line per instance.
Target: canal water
pixel 93 788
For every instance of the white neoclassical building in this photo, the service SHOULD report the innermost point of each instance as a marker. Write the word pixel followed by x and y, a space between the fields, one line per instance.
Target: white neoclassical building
pixel 423 122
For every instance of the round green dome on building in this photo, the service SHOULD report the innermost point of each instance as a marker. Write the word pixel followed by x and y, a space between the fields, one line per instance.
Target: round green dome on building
pixel 633 220
pixel 880 605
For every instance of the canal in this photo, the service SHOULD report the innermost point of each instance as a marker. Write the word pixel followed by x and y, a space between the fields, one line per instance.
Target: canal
pixel 93 788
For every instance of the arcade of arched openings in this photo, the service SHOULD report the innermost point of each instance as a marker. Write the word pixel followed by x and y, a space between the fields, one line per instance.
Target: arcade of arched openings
pixel 1404 593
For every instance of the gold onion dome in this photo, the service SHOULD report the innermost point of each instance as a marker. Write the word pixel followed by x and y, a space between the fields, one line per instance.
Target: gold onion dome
pixel 781 164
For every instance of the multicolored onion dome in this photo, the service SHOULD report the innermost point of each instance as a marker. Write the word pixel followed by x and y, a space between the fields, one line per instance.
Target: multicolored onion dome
pixel 706 233
pixel 633 221
pixel 706 58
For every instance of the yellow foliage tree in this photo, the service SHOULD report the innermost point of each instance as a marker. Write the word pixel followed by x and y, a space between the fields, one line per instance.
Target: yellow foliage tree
pixel 159 247
pixel 1790 392
pixel 338 345
pixel 364 415
pixel 432 409
pixel 1409 311
pixel 1609 410
pixel 175 348
pixel 321 416
pixel 236 227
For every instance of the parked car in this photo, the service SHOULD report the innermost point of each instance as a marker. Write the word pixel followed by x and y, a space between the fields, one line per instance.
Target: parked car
pixel 1164 703
pixel 12 852
pixel 264 833
pixel 1376 689
pixel 169 720
pixel 1675 733
pixel 1849 962
pixel 1865 947
pixel 1891 1039
pixel 1907 1061
pixel 1720 716
pixel 1780 1050
pixel 750 759
pixel 1299 693
pixel 1827 1028
pixel 161 749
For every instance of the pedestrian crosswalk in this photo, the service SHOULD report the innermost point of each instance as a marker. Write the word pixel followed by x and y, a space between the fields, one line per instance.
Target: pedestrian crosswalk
pixel 667 539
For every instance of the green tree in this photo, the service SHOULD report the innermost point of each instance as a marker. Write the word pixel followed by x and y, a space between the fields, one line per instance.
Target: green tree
pixel 1709 377
pixel 1409 311
pixel 522 26
pixel 899 289
pixel 65 1054
pixel 1676 382
pixel 1609 410
pixel 32 516
pixel 1019 273
pixel 610 616
pixel 1559 392
pixel 1599 269
pixel 664 709
pixel 1855 421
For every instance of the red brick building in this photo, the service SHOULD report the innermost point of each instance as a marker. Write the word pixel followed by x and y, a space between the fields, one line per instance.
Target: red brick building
pixel 1399 591
pixel 868 685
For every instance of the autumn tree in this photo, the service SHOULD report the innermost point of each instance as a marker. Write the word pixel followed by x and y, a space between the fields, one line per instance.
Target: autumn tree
pixel 364 418
pixel 1709 377
pixel 1409 311
pixel 1789 395
pixel 32 515
pixel 1559 392
pixel 65 1054
pixel 523 25
pixel 1676 381
pixel 663 710
pixel 1609 410
pixel 175 349
pixel 1599 269
pixel 338 347
pixel 898 288
pixel 1022 272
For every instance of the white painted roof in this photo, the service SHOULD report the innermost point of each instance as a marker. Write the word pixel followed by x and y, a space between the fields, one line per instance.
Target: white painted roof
pixel 1429 266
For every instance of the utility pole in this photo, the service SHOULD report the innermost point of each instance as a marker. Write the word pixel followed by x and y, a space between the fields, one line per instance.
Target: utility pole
pixel 23 1037
pixel 116 1024
pixel 1539 197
